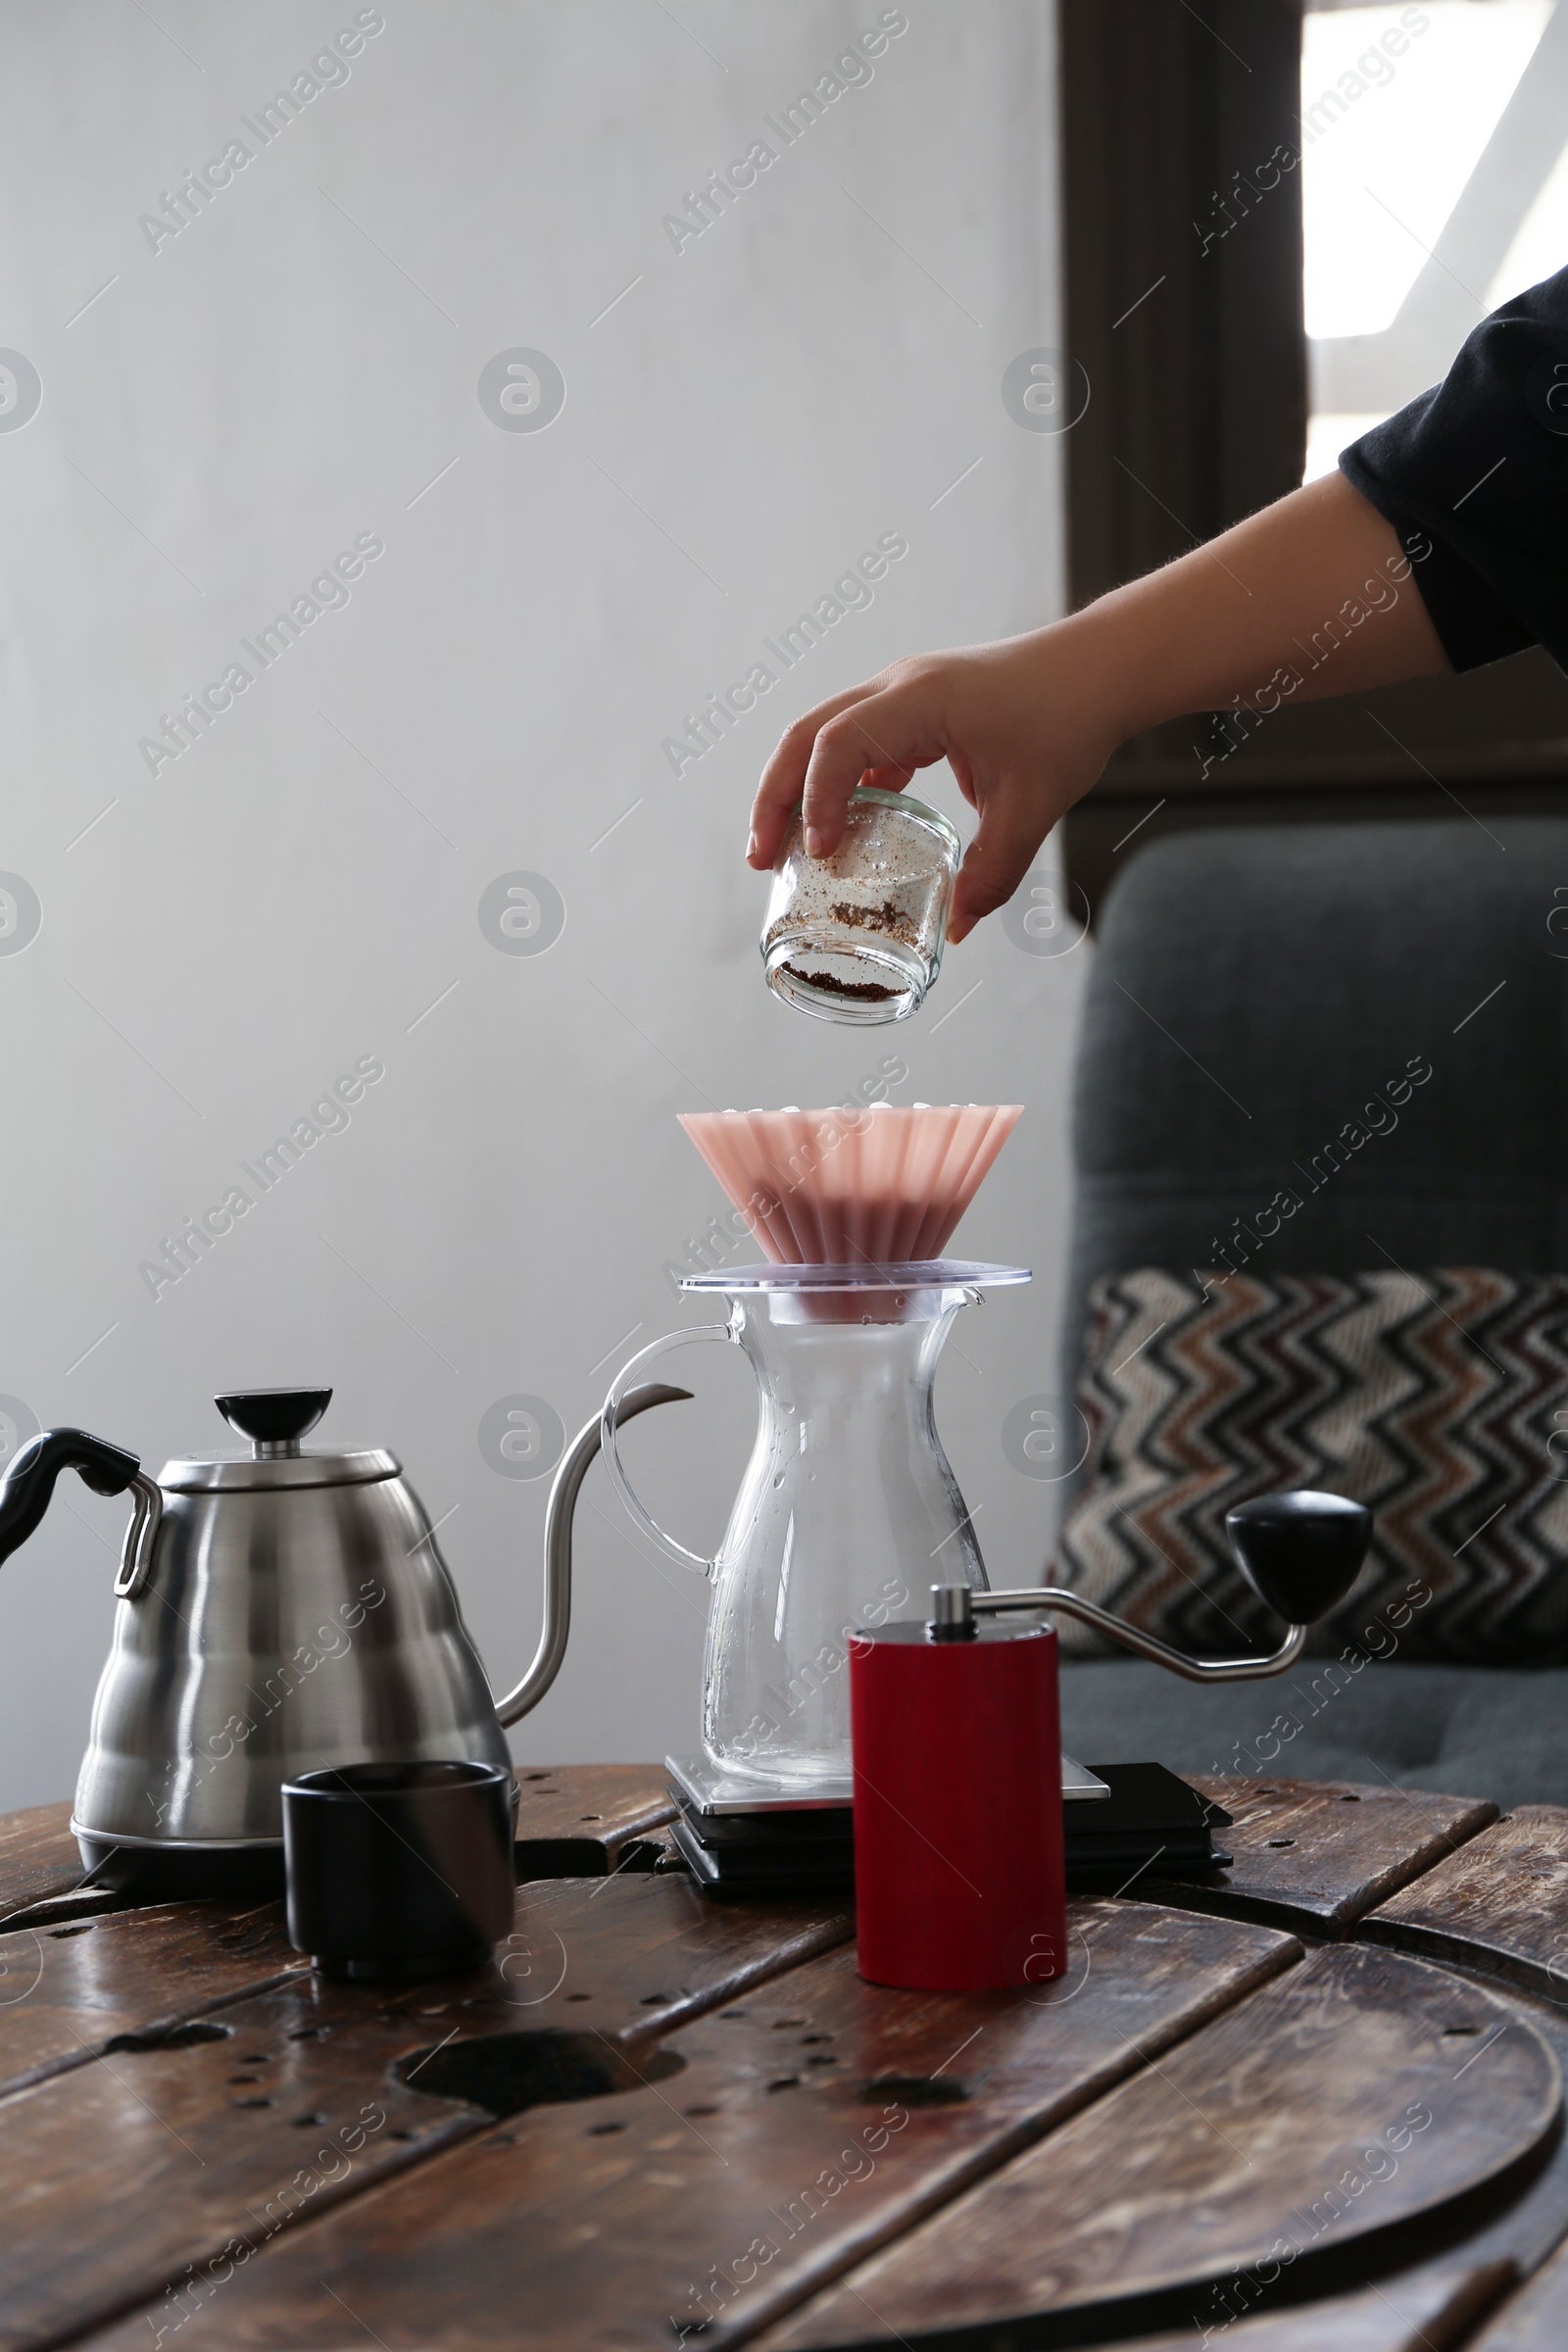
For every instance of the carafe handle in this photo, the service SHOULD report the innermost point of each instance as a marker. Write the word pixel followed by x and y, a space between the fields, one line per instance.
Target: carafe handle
pixel 624 1378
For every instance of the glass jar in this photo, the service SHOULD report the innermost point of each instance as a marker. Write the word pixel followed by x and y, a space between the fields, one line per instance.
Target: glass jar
pixel 858 937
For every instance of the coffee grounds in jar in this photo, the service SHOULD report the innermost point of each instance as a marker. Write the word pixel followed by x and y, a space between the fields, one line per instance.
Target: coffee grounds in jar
pixel 867 992
pixel 888 921
pixel 889 916
pixel 887 886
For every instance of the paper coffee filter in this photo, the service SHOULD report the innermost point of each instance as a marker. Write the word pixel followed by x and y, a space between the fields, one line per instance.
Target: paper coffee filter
pixel 849 1185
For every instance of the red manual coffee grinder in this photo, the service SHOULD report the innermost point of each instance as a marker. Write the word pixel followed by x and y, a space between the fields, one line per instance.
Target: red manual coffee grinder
pixel 959 1873
pixel 960 1863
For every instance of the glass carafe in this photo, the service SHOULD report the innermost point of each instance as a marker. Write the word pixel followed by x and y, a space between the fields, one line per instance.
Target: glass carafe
pixel 848 1512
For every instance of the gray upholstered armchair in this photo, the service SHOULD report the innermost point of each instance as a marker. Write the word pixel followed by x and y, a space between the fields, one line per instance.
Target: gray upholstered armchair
pixel 1251 989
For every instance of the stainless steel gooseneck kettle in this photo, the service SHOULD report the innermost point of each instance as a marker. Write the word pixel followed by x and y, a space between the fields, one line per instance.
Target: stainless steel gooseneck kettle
pixel 281 1610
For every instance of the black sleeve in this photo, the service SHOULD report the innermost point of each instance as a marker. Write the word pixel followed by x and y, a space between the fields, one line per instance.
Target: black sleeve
pixel 1478 468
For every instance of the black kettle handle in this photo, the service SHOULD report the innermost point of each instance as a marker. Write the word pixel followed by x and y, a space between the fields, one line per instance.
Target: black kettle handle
pixel 29 1482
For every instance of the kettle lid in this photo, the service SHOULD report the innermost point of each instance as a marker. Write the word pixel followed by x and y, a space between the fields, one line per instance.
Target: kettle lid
pixel 274 1420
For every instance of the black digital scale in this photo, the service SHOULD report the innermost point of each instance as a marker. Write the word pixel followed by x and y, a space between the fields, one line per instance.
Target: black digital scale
pixel 1122 1820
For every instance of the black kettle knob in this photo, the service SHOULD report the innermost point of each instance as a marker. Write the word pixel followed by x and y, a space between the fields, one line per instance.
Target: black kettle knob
pixel 273 1420
pixel 1300 1552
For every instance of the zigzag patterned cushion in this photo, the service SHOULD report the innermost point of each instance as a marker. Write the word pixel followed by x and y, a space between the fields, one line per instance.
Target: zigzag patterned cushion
pixel 1440 1401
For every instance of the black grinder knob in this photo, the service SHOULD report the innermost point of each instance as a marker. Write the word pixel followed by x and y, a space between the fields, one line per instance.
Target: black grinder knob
pixel 1300 1552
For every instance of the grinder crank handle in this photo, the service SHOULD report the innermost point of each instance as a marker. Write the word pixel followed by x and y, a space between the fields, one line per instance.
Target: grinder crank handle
pixel 1300 1552
pixel 30 1483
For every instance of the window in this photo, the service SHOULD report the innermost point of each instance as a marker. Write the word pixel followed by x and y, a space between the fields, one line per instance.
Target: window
pixel 1433 185
pixel 1234 319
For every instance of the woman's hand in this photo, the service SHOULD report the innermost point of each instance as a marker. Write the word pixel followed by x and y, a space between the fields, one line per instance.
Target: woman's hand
pixel 1017 729
pixel 1311 597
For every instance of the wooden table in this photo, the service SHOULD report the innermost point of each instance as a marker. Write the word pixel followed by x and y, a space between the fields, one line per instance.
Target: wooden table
pixel 1313 2103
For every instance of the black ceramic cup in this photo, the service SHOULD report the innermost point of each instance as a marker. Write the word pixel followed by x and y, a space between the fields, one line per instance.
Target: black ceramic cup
pixel 398 1871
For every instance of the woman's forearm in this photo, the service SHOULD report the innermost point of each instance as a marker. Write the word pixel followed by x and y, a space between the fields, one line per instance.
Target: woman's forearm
pixel 1311 597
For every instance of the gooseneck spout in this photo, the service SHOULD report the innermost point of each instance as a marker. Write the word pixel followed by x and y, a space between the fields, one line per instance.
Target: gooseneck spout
pixel 558 1549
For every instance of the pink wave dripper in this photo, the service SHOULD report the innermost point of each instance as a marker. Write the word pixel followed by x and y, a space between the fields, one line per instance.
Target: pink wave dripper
pixel 852 1186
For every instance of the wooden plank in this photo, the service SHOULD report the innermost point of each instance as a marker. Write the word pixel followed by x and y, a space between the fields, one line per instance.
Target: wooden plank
pixel 1434 2315
pixel 1499 2245
pixel 1282 2133
pixel 576 1819
pixel 1526 2228
pixel 1501 1903
pixel 656 1849
pixel 1535 2320
pixel 814 2118
pixel 114 2175
pixel 38 1856
pixel 1315 1856
pixel 573 1820
pixel 117 2175
pixel 634 1956
pixel 65 1991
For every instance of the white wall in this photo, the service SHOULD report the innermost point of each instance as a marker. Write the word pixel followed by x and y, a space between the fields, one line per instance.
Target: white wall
pixel 219 940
